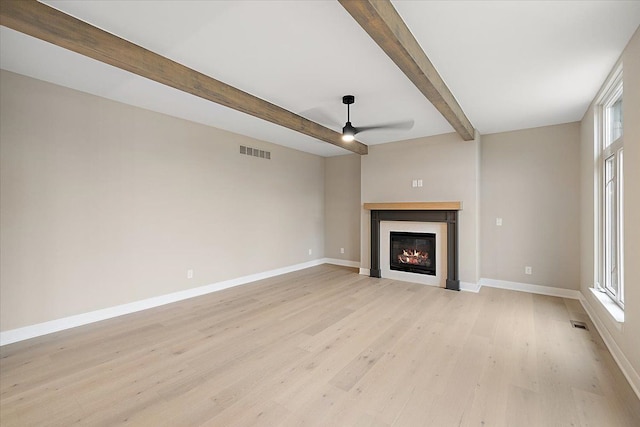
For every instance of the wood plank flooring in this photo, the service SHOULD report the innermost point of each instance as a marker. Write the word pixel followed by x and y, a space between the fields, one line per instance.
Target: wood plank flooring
pixel 324 347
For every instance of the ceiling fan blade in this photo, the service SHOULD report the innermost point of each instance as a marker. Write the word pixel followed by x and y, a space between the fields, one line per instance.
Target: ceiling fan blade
pixel 404 125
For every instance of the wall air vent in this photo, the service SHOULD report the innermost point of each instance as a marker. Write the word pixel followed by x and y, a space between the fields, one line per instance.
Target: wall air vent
pixel 254 152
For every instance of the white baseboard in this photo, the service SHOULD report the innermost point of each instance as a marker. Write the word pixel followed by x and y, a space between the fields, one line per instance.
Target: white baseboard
pixel 470 287
pixel 514 286
pixel 32 331
pixel 532 289
pixel 341 262
pixel 623 363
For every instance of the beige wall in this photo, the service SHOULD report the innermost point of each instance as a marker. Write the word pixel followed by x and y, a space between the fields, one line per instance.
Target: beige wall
pixel 104 204
pixel 448 167
pixel 342 207
pixel 627 337
pixel 530 179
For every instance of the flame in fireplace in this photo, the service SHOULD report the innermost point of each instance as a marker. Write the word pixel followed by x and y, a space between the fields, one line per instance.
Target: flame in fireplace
pixel 414 257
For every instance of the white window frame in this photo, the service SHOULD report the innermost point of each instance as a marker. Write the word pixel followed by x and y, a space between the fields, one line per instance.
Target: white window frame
pixel 609 218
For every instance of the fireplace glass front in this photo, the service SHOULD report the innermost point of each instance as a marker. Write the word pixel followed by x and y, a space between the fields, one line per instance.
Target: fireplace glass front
pixel 413 252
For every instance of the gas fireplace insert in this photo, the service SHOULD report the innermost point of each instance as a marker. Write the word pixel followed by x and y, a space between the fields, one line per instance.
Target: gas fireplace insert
pixel 413 252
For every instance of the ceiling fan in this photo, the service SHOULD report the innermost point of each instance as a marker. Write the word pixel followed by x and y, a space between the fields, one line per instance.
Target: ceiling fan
pixel 349 131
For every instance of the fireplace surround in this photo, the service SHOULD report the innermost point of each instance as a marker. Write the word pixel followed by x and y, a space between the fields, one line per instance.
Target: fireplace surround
pixel 446 212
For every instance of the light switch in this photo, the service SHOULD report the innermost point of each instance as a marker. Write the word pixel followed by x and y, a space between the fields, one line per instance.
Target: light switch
pixel 498 221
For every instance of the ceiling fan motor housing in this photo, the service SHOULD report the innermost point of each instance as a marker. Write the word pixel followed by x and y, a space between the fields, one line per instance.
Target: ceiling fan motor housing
pixel 348 129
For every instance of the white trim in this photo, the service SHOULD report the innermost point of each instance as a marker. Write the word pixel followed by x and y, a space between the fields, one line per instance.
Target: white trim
pixel 341 262
pixel 610 92
pixel 32 331
pixel 609 87
pixel 623 363
pixel 613 309
pixel 365 271
pixel 532 289
pixel 470 287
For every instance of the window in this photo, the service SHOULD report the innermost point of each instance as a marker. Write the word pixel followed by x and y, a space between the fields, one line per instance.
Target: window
pixel 610 191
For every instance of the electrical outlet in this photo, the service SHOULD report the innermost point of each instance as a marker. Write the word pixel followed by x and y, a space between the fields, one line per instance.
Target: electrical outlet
pixel 310 251
pixel 341 250
pixel 499 221
pixel 528 270
pixel 414 183
pixel 419 183
pixel 190 273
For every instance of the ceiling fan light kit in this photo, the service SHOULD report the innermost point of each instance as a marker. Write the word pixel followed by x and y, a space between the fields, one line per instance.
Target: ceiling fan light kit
pixel 347 136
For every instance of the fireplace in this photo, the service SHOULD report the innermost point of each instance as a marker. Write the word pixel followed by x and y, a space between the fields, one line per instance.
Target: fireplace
pixel 413 252
pixel 443 212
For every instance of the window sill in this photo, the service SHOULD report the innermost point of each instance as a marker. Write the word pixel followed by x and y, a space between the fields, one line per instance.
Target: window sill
pixel 612 308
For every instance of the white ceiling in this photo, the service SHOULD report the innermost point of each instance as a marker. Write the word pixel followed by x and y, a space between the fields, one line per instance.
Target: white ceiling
pixel 511 64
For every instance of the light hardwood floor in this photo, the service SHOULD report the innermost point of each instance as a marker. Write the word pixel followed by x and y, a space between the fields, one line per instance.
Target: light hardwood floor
pixel 324 347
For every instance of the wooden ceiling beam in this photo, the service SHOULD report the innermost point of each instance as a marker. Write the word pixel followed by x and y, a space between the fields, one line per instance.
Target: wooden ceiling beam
pixel 46 23
pixel 385 26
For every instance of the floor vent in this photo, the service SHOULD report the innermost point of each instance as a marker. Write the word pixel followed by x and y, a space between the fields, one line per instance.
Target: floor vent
pixel 579 325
